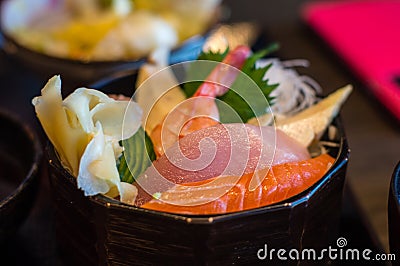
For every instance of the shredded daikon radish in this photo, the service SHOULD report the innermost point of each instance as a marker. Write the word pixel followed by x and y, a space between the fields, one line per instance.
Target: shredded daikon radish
pixel 295 92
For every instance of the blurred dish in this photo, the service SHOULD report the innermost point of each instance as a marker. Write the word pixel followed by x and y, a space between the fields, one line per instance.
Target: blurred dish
pixel 112 30
pixel 87 50
pixel 20 157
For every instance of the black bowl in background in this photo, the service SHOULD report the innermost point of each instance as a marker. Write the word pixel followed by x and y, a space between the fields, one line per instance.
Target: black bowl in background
pixel 99 230
pixel 20 158
pixel 394 213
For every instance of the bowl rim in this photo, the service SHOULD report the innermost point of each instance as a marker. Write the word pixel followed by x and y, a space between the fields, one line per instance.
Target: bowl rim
pixel 341 160
pixel 37 156
pixel 10 45
pixel 395 184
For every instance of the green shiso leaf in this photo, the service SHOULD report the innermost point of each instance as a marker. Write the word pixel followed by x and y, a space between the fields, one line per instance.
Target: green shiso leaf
pixel 201 71
pixel 137 156
pixel 210 55
pixel 249 95
pixel 244 96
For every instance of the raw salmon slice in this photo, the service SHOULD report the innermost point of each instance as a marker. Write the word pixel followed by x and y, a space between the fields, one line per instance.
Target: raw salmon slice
pixel 231 193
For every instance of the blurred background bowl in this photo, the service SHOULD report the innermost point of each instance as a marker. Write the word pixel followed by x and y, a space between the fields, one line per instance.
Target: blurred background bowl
pixel 394 213
pixel 81 72
pixel 99 230
pixel 20 158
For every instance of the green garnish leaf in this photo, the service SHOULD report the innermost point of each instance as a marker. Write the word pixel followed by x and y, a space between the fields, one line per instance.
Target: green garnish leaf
pixel 243 96
pixel 137 156
pixel 247 97
pixel 251 61
pixel 201 71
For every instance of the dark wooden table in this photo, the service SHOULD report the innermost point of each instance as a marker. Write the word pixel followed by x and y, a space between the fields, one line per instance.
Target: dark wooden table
pixel 373 135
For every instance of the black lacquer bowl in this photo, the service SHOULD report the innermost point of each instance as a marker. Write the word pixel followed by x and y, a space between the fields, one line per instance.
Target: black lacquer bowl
pixel 20 158
pixel 394 213
pixel 99 230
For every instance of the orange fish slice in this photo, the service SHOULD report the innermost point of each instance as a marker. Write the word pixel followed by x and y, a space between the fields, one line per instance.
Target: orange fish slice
pixel 231 193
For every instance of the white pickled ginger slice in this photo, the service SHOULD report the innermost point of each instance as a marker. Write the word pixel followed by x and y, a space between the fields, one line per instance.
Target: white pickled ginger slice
pixel 98 173
pixel 69 141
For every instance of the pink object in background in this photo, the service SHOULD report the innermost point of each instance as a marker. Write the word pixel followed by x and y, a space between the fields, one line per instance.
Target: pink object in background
pixel 366 34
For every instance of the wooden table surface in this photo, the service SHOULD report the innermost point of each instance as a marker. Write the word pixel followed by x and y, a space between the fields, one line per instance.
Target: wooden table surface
pixel 373 135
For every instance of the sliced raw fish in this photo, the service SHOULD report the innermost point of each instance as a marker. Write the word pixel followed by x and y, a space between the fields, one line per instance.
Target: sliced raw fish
pixel 231 194
pixel 220 150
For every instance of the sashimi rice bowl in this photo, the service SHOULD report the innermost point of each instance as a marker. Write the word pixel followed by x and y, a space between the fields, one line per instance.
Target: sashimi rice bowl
pixel 234 139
